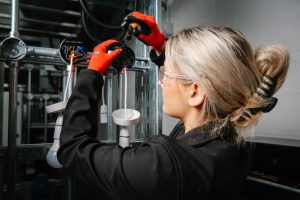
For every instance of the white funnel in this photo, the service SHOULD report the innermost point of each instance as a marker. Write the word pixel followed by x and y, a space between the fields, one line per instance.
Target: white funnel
pixel 125 118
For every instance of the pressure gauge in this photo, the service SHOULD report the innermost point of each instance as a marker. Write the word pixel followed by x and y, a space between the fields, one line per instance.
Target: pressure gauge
pixel 72 47
pixel 13 48
pixel 125 59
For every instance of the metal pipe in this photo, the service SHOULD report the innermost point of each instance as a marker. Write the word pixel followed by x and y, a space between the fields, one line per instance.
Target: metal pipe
pixel 45 121
pixel 1 171
pixel 49 10
pixel 64 83
pixel 42 51
pixel 69 82
pixel 29 80
pixel 142 59
pixel 145 93
pixel 63 34
pixel 44 55
pixel 29 98
pixel 1 101
pixel 12 116
pixel 46 97
pixel 38 96
pixel 158 100
pixel 74 77
pixel 69 187
pixel 61 24
pixel 28 117
pixel 14 31
pixel 12 124
pixel 109 79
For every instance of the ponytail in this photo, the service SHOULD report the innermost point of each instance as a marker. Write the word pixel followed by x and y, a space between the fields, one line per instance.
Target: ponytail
pixel 272 64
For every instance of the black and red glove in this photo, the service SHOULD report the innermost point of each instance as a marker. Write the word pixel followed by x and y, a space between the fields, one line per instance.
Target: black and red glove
pixel 148 32
pixel 100 59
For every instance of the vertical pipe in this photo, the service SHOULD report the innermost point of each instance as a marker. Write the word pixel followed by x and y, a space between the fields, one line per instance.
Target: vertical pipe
pixel 146 97
pixel 1 172
pixel 120 99
pixel 14 32
pixel 67 82
pixel 29 80
pixel 69 186
pixel 64 83
pixel 75 76
pixel 109 106
pixel 157 89
pixel 1 102
pixel 71 68
pixel 12 124
pixel 46 122
pixel 46 98
pixel 29 98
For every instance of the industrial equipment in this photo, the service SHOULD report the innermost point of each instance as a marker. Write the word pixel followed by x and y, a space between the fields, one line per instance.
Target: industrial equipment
pixel 35 70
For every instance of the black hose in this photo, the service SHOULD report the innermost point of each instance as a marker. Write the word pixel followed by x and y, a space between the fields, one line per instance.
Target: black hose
pixel 135 5
pixel 90 35
pixel 86 10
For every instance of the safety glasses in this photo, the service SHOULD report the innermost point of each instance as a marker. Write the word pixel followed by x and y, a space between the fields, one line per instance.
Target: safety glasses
pixel 163 74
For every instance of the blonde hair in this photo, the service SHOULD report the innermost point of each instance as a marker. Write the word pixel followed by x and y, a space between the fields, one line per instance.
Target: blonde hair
pixel 223 63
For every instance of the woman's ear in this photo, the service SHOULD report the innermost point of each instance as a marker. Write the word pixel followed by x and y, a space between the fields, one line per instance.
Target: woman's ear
pixel 196 95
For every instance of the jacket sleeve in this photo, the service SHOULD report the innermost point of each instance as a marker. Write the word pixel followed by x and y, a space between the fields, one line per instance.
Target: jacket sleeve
pixel 109 170
pixel 158 60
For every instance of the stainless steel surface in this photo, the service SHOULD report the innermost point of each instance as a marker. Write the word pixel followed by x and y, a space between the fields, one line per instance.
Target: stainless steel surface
pixel 157 89
pixel 42 51
pixel 12 123
pixel 14 32
pixel 109 79
pixel 29 98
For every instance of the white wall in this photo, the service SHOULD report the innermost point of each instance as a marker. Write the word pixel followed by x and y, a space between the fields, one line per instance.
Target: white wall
pixel 262 22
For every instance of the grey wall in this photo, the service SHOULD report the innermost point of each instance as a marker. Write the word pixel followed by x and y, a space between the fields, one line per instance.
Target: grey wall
pixel 262 22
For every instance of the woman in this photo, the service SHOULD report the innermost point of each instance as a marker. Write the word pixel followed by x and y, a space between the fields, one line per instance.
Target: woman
pixel 213 82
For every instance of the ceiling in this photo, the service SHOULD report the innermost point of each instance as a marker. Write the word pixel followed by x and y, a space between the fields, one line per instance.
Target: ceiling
pixel 47 22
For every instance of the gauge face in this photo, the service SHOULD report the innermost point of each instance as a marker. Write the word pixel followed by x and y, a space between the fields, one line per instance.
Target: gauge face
pixel 72 47
pixel 125 59
pixel 13 48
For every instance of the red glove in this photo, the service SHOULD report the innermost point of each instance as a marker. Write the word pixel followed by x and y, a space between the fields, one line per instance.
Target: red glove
pixel 101 59
pixel 149 32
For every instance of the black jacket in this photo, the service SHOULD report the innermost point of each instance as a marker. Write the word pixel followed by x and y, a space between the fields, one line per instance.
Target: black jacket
pixel 182 166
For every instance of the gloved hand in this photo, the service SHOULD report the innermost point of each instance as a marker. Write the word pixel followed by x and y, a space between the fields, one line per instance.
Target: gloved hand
pixel 149 32
pixel 101 59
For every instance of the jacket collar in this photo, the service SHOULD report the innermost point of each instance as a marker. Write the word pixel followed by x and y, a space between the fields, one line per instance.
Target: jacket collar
pixel 203 134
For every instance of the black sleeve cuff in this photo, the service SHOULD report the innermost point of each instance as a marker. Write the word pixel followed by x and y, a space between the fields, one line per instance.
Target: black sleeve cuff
pixel 158 60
